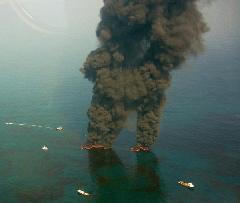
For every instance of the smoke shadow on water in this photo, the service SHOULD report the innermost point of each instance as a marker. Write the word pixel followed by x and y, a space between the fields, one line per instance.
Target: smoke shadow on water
pixel 114 182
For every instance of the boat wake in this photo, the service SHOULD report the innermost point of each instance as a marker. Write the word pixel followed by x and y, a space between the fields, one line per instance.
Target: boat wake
pixel 32 126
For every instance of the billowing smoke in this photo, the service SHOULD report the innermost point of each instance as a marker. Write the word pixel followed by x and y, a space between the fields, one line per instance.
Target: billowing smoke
pixel 141 41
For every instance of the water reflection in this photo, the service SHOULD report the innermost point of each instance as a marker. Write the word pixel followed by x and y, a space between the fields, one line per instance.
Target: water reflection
pixel 114 182
pixel 30 20
pixel 64 17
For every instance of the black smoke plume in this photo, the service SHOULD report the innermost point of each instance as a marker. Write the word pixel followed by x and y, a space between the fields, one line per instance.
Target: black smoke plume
pixel 141 41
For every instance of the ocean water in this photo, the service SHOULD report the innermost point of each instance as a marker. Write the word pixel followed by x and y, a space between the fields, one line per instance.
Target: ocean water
pixel 44 44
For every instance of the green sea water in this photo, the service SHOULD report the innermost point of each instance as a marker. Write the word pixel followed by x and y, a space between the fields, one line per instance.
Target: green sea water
pixel 44 44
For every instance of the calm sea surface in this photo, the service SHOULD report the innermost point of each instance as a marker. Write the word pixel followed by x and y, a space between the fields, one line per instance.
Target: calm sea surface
pixel 42 46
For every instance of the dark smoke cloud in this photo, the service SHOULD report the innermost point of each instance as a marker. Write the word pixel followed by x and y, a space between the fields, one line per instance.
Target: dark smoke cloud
pixel 141 41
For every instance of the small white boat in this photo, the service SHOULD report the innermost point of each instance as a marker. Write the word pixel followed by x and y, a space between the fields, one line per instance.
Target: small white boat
pixel 9 123
pixel 21 124
pixel 81 192
pixel 60 128
pixel 44 148
pixel 186 184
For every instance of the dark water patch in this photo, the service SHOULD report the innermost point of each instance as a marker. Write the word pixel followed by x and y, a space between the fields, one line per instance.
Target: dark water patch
pixel 113 180
pixel 6 162
pixel 48 193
